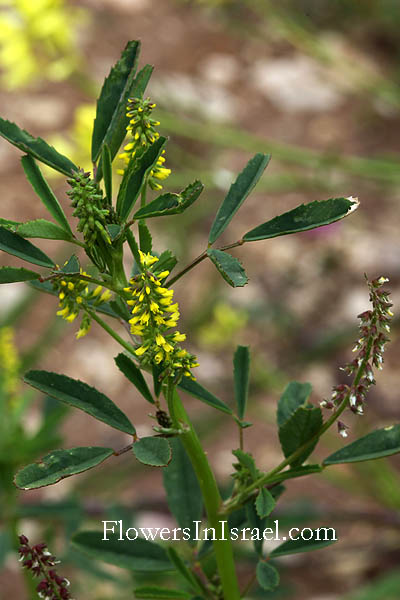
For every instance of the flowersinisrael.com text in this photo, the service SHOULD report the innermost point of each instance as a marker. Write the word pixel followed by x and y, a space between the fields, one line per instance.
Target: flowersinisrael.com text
pixel 198 534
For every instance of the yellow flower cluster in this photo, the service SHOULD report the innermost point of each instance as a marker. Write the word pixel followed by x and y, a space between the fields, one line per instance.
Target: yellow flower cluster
pixel 9 362
pixel 153 314
pixel 74 296
pixel 141 128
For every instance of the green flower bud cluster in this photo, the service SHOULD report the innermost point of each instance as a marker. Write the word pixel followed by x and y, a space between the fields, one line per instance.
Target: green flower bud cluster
pixel 91 208
pixel 141 128
pixel 153 315
pixel 75 296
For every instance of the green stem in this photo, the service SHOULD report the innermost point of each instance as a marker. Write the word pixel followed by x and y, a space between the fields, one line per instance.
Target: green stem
pixel 212 499
pixel 241 498
pixel 111 331
pixel 199 259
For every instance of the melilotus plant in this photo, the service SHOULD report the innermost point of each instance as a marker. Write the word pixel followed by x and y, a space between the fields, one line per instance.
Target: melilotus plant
pixel 140 312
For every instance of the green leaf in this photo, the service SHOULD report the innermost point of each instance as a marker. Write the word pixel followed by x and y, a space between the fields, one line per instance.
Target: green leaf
pixel 198 391
pixel 298 545
pixel 377 444
pixel 238 193
pixel 7 224
pixel 181 567
pixel 14 244
pixel 145 239
pixel 171 204
pixel 265 503
pixel 43 190
pixel 153 451
pixel 241 367
pixel 71 266
pixel 295 394
pixel 183 491
pixel 255 523
pixel 304 423
pixel 135 554
pixel 60 464
pixel 166 262
pixel 267 576
pixel 113 97
pixel 107 171
pixel 154 592
pixel 297 472
pixel 36 147
pixel 40 228
pixel 135 173
pixel 247 461
pixel 117 130
pixel 229 267
pixel 13 274
pixel 134 374
pixel 82 396
pixel 304 217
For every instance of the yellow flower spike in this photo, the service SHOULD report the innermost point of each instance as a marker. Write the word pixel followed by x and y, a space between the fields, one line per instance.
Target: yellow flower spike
pixel 61 295
pixel 98 290
pixel 148 290
pixel 131 303
pixel 163 274
pixel 137 330
pixel 71 286
pixel 141 297
pixel 79 299
pixel 134 320
pixel 159 320
pixel 154 307
pixel 106 295
pixel 135 309
pixel 167 347
pixel 141 350
pixel 172 308
pixel 82 332
pixel 182 353
pixel 159 357
pixel 63 312
pixel 166 301
pixel 63 283
pixel 160 340
pixel 179 337
pixel 71 317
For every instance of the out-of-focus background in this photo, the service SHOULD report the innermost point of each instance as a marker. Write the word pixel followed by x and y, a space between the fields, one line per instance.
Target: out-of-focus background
pixel 316 84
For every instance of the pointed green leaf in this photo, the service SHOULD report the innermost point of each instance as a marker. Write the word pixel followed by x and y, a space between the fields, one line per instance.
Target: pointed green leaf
pixel 153 451
pixel 171 204
pixel 181 567
pixel 238 193
pixel 304 423
pixel 60 464
pixel 71 266
pixel 247 461
pixel 321 537
pixel 296 472
pixel 135 554
pixel 267 576
pixel 198 391
pixel 166 262
pixel 36 147
pixel 117 129
pixel 154 592
pixel 134 374
pixel 107 171
pixel 241 367
pixel 265 503
pixel 379 443
pixel 229 267
pixel 14 244
pixel 304 217
pixel 145 239
pixel 40 228
pixel 45 193
pixel 296 394
pixel 135 173
pixel 11 225
pixel 183 491
pixel 14 274
pixel 113 94
pixel 82 396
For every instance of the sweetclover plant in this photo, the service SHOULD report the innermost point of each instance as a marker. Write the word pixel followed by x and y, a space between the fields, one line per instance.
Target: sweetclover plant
pixel 141 312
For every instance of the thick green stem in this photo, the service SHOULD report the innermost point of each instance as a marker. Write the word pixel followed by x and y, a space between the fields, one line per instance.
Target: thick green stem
pixel 212 499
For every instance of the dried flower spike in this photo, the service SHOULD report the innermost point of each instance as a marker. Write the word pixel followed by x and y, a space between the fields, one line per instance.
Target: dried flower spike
pixel 370 346
pixel 40 562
